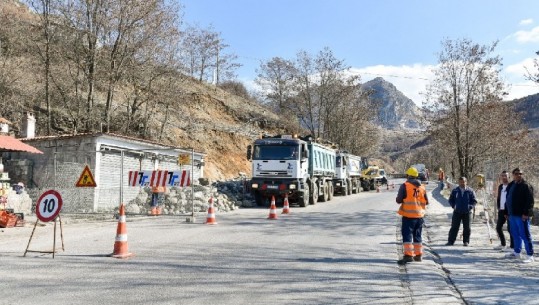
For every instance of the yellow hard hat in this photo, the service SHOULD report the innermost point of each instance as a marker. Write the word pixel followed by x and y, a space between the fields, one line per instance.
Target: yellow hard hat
pixel 412 172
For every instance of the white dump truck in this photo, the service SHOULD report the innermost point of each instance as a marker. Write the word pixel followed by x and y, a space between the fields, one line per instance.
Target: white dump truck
pixel 348 169
pixel 293 166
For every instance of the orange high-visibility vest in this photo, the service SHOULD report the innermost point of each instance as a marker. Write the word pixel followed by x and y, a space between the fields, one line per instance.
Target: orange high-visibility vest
pixel 441 176
pixel 413 205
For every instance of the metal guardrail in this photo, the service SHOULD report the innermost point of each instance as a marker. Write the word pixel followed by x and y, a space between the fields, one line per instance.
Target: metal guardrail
pixel 393 176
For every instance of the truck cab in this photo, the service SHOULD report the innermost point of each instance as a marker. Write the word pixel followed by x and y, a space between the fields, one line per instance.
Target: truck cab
pixel 279 167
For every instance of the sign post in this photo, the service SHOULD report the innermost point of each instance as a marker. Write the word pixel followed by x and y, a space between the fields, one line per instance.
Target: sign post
pixel 48 208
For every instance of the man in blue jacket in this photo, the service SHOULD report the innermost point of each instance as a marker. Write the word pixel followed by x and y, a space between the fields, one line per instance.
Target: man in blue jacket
pixel 462 200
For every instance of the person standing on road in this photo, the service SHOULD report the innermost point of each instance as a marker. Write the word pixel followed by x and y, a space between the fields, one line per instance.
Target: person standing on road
pixel 413 200
pixel 502 211
pixel 462 200
pixel 520 207
pixel 156 194
pixel 441 178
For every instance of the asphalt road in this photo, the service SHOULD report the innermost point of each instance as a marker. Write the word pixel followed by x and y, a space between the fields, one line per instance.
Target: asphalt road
pixel 339 252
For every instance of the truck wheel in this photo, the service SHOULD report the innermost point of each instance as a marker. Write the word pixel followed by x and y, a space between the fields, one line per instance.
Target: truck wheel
pixel 304 200
pixel 355 187
pixel 349 189
pixel 325 195
pixel 331 190
pixel 372 186
pixel 314 195
pixel 259 199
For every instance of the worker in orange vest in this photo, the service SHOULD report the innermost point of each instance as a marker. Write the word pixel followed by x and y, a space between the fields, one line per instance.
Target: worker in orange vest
pixel 441 178
pixel 413 201
pixel 156 193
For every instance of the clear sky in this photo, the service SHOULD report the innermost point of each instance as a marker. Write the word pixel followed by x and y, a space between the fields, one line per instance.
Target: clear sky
pixel 395 39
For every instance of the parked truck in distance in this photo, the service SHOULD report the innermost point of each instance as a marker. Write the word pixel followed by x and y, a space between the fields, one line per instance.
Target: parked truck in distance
pixel 372 176
pixel 348 169
pixel 298 167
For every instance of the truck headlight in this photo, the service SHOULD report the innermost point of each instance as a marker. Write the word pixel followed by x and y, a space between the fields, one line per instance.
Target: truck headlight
pixel 254 185
pixel 338 184
pixel 292 186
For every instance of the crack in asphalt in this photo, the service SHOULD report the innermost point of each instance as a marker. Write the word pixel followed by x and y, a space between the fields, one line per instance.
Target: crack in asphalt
pixel 403 273
pixel 437 259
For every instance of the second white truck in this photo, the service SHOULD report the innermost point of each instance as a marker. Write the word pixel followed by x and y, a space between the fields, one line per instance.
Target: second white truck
pixel 348 169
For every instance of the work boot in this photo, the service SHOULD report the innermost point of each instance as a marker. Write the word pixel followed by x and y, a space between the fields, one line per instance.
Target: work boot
pixel 418 258
pixel 406 259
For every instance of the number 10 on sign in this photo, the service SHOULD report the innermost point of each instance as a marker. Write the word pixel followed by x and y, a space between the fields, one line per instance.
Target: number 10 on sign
pixel 48 206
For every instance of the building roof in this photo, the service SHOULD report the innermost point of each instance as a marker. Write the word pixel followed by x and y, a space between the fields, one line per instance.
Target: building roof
pixel 9 144
pixel 4 121
pixel 98 134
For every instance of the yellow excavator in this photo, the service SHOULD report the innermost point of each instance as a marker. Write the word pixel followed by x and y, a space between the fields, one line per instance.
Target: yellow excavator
pixel 372 176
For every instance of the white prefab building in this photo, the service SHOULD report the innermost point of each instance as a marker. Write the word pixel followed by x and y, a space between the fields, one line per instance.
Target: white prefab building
pixel 110 157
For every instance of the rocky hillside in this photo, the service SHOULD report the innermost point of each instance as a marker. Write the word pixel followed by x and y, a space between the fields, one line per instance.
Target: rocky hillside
pixel 395 110
pixel 529 108
pixel 221 125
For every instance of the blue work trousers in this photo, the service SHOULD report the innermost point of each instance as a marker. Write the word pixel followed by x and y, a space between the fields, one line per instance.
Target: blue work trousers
pixel 411 235
pixel 520 231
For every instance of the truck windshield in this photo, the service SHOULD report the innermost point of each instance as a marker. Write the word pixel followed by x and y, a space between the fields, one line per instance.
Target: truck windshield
pixel 276 152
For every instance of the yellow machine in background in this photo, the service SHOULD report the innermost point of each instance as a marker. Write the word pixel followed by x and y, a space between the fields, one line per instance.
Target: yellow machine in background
pixel 371 176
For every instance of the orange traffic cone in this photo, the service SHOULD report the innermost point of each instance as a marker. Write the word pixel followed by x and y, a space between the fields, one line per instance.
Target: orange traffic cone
pixel 286 206
pixel 120 245
pixel 273 209
pixel 210 220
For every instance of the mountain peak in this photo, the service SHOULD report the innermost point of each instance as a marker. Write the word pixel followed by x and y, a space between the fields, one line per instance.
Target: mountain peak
pixel 395 110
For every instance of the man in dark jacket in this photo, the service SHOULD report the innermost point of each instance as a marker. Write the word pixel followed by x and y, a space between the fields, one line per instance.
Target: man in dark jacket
pixel 502 211
pixel 520 207
pixel 462 200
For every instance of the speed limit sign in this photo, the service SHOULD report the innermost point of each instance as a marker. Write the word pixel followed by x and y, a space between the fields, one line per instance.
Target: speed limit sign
pixel 48 205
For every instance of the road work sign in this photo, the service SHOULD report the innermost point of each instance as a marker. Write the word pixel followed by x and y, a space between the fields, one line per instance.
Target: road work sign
pixel 184 159
pixel 86 179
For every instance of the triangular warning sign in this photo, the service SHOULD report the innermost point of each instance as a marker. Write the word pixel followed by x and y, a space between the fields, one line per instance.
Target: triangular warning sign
pixel 86 179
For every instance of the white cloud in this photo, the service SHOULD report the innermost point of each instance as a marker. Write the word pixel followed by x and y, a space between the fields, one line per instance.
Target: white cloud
pixel 409 79
pixel 515 78
pixel 527 36
pixel 521 89
pixel 526 21
pixel 519 69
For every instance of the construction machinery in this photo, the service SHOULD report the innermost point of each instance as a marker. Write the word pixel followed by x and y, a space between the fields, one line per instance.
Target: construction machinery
pixel 373 176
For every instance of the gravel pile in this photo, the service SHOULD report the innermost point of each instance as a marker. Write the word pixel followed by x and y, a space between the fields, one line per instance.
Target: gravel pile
pixel 227 196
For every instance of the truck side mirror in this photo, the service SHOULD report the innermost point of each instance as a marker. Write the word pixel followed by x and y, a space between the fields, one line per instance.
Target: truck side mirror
pixel 305 154
pixel 249 152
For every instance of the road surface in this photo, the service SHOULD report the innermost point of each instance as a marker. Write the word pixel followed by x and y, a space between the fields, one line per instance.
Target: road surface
pixel 339 252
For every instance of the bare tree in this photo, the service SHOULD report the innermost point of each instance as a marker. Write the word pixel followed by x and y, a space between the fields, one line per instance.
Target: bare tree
pixel 326 100
pixel 204 56
pixel 468 118
pixel 132 26
pixel 45 8
pixel 534 75
pixel 276 78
